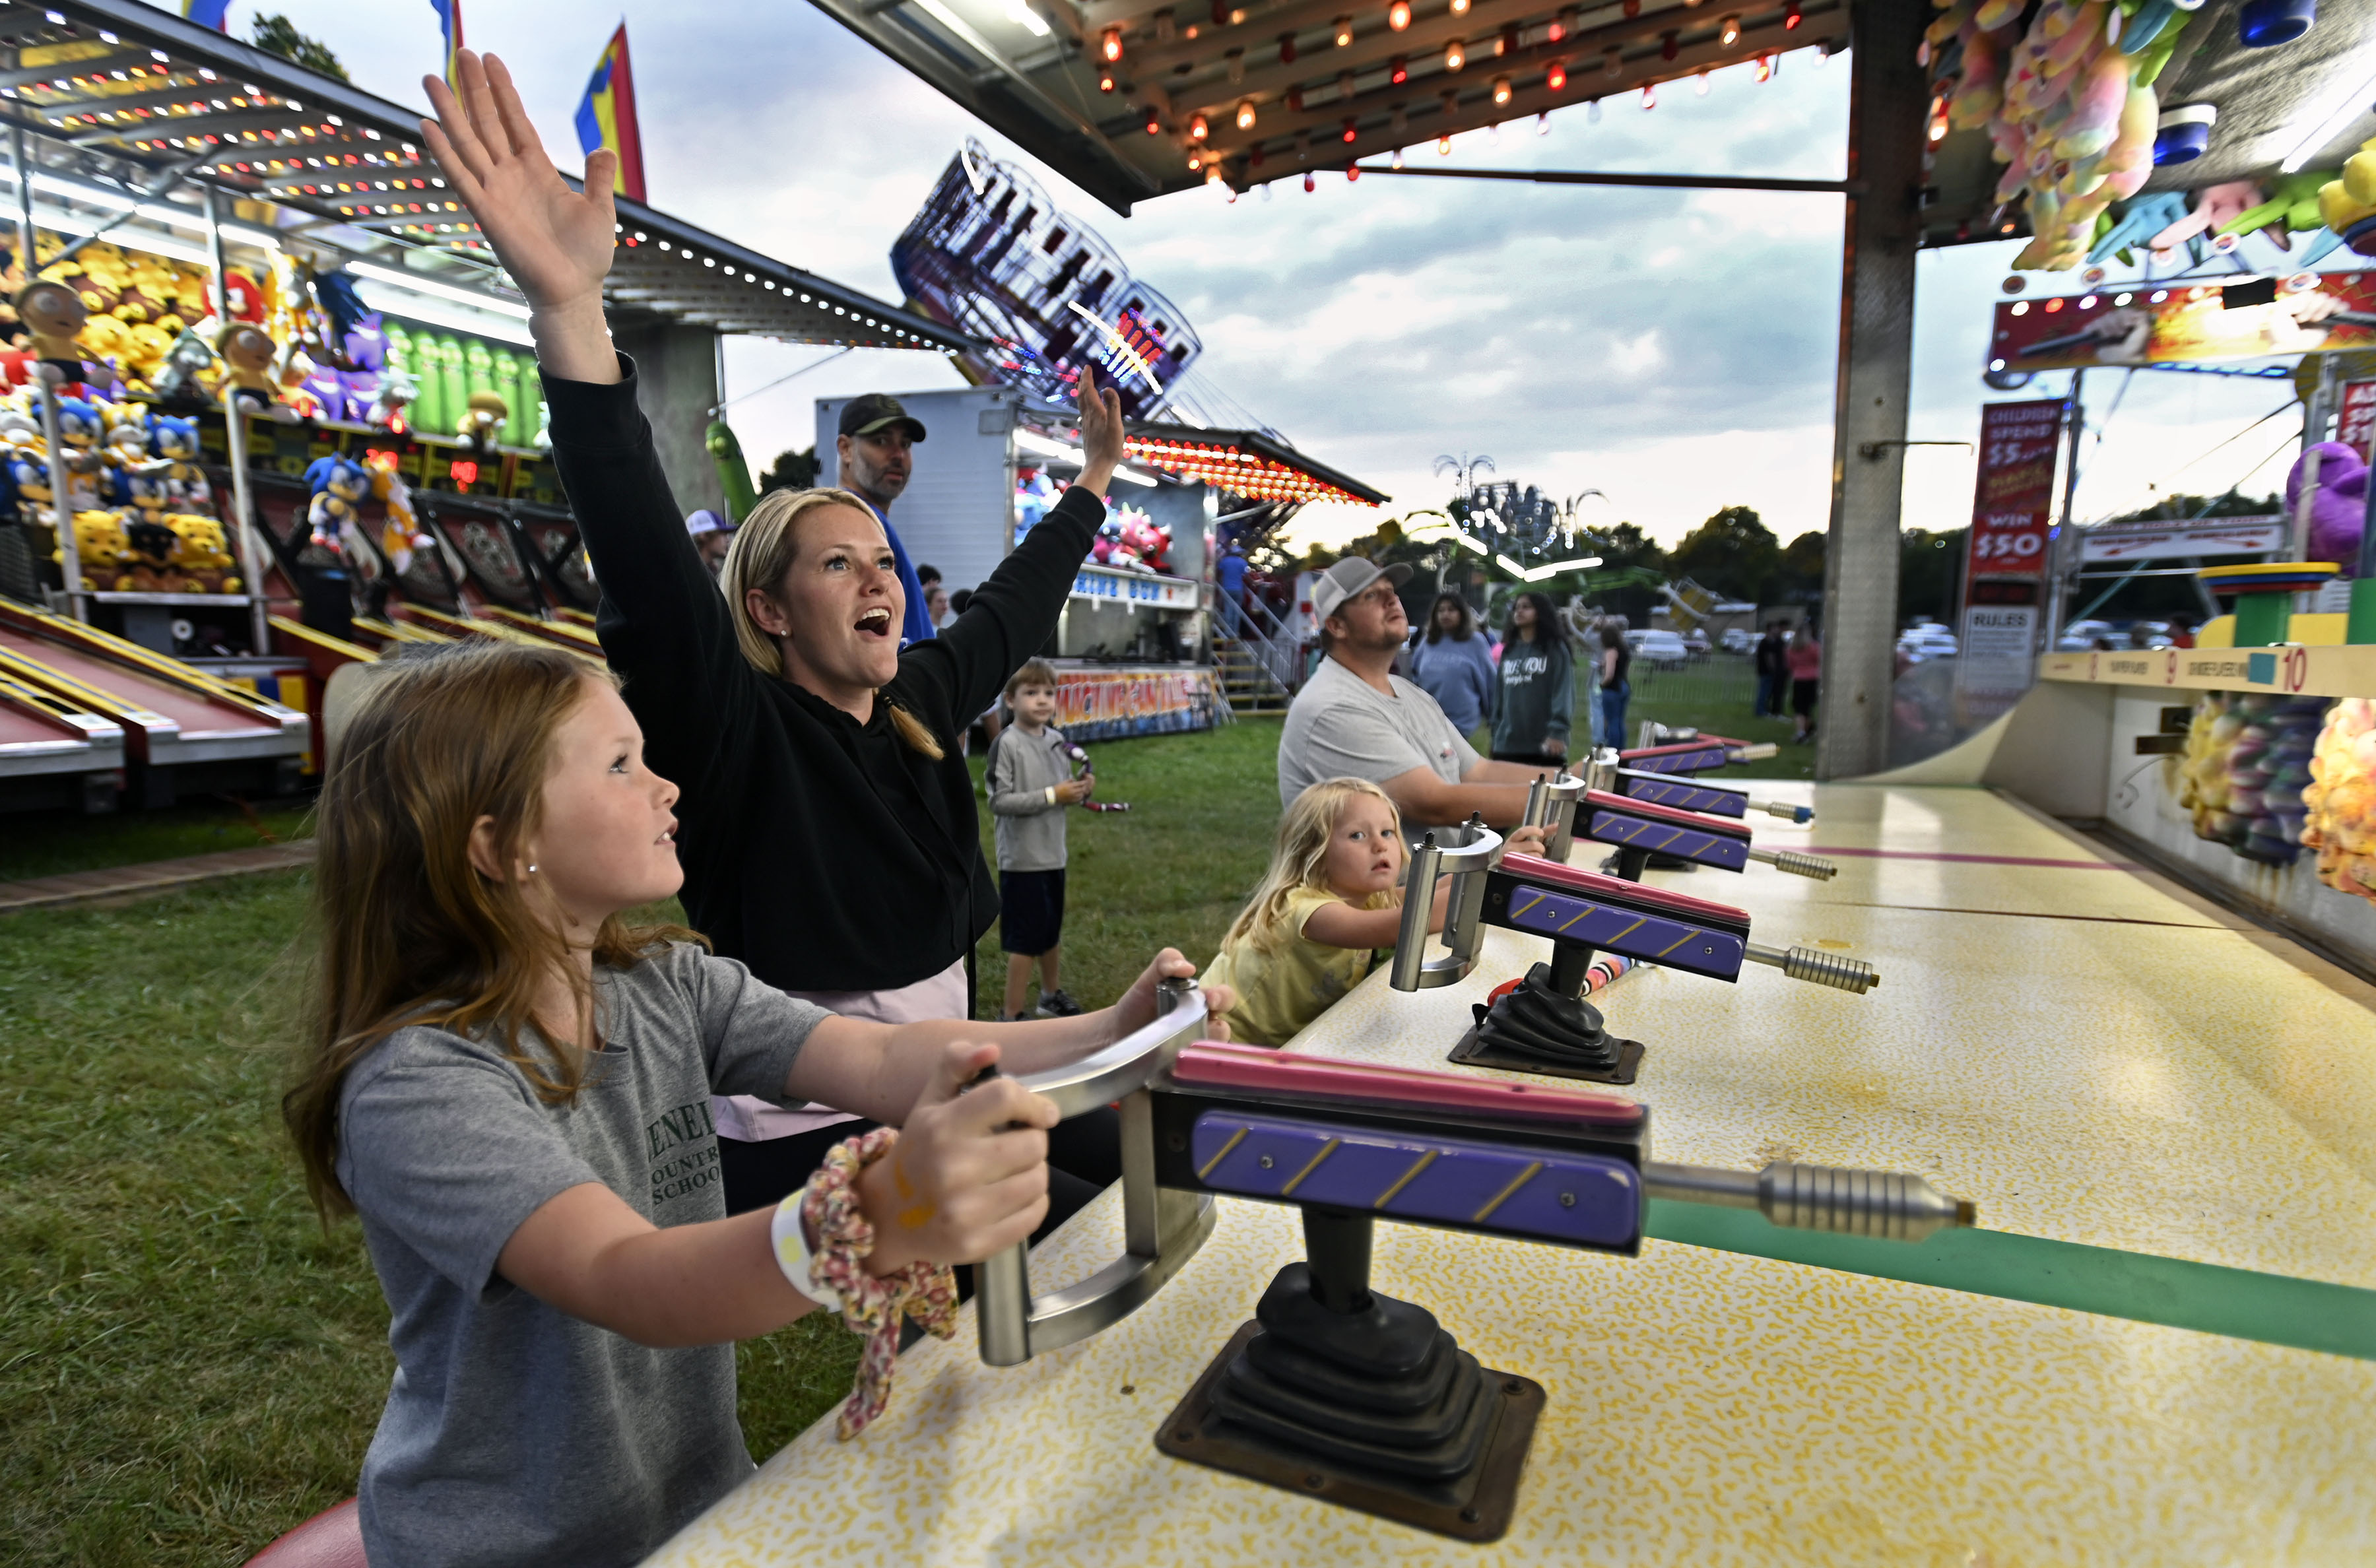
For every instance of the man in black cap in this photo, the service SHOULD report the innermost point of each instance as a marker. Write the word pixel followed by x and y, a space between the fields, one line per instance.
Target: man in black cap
pixel 1356 717
pixel 872 454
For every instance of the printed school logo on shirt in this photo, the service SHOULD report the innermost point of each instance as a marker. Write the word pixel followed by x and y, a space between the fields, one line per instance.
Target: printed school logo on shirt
pixel 688 1129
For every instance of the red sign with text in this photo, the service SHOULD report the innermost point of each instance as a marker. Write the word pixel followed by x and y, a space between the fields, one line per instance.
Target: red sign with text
pixel 2014 506
pixel 2354 425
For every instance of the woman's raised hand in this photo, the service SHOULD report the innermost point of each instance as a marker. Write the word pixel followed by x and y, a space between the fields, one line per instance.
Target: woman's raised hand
pixel 555 242
pixel 1100 433
pixel 969 1176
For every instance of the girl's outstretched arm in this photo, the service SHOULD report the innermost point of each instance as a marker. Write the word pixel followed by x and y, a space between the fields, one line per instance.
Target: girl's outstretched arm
pixel 968 1177
pixel 876 1069
pixel 1340 924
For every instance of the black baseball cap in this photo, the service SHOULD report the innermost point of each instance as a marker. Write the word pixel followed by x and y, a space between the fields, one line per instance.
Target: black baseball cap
pixel 864 416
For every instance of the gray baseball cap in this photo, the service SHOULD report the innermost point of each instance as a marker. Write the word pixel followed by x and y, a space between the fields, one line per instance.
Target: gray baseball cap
pixel 1351 575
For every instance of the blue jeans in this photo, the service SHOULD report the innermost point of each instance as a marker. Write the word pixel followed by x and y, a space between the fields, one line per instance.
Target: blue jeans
pixel 1772 695
pixel 1612 713
pixel 1230 614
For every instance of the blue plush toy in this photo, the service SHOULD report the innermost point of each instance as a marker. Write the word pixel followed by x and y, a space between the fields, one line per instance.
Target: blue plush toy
pixel 338 483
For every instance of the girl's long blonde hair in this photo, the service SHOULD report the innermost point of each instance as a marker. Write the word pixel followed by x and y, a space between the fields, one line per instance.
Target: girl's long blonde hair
pixel 762 552
pixel 1299 859
pixel 409 930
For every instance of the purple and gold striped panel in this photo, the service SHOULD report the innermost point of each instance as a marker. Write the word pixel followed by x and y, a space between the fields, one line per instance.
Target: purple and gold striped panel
pixel 1683 795
pixel 1660 939
pixel 1721 850
pixel 1587 1200
pixel 1699 759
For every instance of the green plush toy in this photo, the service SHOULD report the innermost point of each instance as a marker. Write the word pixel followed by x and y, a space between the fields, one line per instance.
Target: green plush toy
pixel 452 381
pixel 523 395
pixel 734 469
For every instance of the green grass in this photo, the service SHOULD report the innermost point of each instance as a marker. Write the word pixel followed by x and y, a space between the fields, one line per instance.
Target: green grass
pixel 188 1364
pixel 51 843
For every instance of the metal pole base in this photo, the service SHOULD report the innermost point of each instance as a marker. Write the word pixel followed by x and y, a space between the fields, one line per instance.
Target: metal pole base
pixel 1339 1393
pixel 1543 1026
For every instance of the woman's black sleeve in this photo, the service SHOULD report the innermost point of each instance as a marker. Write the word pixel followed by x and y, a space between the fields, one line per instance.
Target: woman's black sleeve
pixel 663 622
pixel 1012 615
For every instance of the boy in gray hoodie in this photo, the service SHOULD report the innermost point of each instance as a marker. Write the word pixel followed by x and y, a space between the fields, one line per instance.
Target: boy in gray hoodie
pixel 1030 782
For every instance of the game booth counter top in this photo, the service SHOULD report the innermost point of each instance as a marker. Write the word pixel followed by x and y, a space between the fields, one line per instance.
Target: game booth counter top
pixel 2155 1343
pixel 384 480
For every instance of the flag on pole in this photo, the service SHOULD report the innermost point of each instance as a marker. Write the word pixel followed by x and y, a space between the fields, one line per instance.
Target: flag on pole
pixel 449 20
pixel 208 13
pixel 607 117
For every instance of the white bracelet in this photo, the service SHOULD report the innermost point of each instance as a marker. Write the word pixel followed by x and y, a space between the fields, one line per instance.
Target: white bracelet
pixel 794 1256
pixel 1051 793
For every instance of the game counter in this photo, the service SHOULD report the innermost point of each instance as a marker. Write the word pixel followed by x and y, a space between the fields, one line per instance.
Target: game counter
pixel 2178 1086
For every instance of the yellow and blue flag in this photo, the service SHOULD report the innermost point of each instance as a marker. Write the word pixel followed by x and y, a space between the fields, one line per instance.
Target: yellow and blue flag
pixel 208 13
pixel 607 117
pixel 449 20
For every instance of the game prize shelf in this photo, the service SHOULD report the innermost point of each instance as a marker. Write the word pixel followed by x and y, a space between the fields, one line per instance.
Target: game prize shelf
pixel 2170 1131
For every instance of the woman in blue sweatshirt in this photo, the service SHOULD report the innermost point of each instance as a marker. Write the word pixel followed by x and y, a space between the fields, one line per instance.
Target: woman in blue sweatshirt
pixel 1453 665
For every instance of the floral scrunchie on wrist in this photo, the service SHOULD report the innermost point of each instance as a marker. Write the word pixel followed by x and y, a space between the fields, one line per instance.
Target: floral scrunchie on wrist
pixel 870 1306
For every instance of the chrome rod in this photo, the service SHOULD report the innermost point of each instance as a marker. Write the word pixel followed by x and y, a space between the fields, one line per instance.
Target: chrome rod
pixel 1887 1205
pixel 1815 967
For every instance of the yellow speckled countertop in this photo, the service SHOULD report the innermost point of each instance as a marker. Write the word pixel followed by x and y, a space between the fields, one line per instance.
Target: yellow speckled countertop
pixel 2086 1056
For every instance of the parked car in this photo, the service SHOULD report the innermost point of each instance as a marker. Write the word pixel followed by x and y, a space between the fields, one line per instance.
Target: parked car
pixel 1924 643
pixel 1737 639
pixel 2079 636
pixel 1696 641
pixel 1658 650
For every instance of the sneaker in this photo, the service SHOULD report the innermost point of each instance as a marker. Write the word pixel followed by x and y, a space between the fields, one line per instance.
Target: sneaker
pixel 1059 1004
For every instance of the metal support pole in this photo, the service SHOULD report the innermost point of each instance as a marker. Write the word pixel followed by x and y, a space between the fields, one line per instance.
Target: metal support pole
pixel 2057 557
pixel 1887 98
pixel 60 500
pixel 252 559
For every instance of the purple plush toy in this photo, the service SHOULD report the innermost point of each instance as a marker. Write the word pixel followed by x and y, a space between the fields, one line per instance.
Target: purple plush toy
pixel 2338 512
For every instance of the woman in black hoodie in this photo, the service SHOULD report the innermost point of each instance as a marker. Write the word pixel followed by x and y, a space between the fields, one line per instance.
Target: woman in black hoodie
pixel 827 835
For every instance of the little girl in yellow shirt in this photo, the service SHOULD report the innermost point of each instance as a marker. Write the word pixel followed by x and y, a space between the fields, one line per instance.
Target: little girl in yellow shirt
pixel 1332 897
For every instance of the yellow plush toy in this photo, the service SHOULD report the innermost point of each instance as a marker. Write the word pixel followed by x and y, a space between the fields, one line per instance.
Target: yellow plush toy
pixel 99 542
pixel 202 555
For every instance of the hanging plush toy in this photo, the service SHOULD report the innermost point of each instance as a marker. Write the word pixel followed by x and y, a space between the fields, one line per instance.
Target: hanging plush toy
pixel 2338 507
pixel 247 354
pixel 484 419
pixel 386 410
pixel 174 443
pixel 339 485
pixel 2067 102
pixel 187 378
pixel 400 533
pixel 202 555
pixel 53 317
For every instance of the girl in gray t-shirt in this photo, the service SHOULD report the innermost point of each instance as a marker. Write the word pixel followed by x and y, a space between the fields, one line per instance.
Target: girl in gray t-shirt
pixel 509 1085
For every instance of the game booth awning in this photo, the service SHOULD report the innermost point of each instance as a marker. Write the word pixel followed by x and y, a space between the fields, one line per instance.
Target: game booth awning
pixel 1132 100
pixel 170 160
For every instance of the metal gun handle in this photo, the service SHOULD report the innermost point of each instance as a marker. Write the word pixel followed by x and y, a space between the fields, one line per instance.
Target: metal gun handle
pixel 1551 805
pixel 1466 860
pixel 1161 1229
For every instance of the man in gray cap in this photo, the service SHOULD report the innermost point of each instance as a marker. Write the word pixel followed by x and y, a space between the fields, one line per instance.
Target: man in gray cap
pixel 873 462
pixel 1356 718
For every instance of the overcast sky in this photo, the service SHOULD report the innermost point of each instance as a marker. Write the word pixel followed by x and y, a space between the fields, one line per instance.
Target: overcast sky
pixel 1674 350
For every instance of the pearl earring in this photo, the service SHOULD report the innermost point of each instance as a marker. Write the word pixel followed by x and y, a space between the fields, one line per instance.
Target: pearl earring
pixel 531 870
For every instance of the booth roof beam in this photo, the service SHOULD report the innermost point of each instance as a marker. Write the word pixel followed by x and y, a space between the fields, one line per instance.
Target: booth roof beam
pixel 1206 84
pixel 186 93
pixel 1373 109
pixel 68 72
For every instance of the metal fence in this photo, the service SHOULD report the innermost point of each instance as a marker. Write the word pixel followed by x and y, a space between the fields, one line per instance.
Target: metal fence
pixel 1707 679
